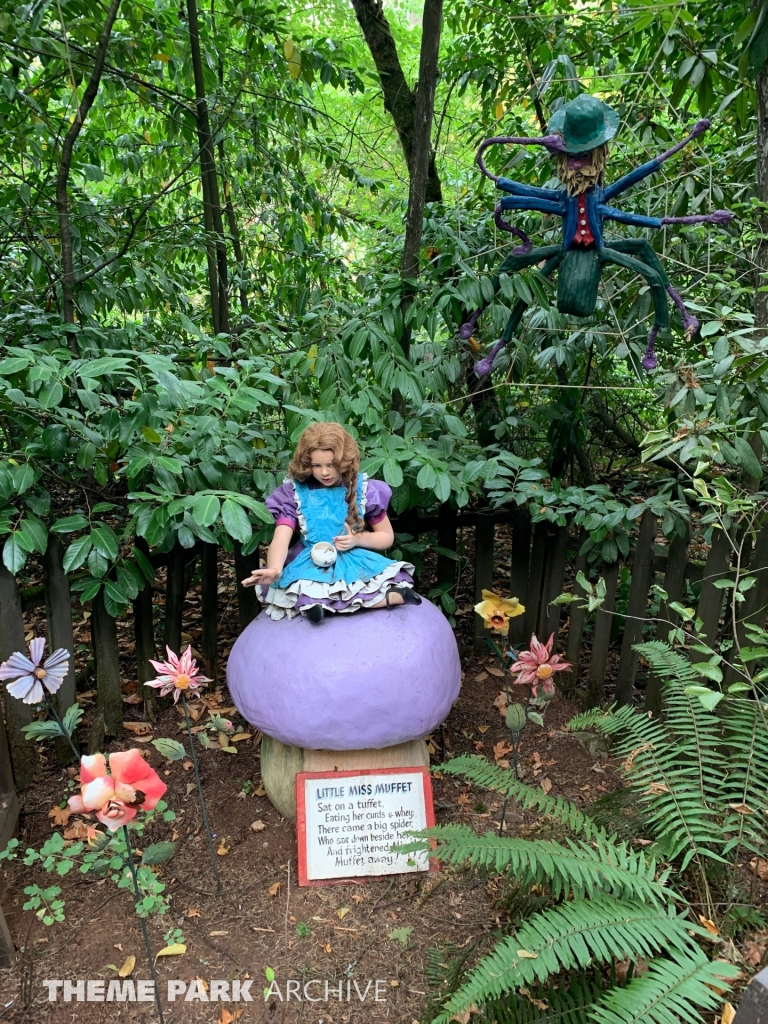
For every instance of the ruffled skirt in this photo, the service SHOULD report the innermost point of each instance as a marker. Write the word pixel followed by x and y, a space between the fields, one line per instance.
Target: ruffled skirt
pixel 338 597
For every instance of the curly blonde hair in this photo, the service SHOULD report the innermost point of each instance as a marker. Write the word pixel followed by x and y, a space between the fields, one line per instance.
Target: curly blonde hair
pixel 331 437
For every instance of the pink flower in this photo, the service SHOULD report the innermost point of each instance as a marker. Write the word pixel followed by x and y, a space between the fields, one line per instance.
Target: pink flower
pixel 29 676
pixel 177 674
pixel 537 666
pixel 117 798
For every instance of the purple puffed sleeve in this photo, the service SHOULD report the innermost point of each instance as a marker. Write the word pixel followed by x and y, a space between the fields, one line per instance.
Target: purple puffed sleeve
pixel 282 504
pixel 377 501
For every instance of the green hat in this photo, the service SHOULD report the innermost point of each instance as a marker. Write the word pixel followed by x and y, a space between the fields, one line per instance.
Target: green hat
pixel 584 123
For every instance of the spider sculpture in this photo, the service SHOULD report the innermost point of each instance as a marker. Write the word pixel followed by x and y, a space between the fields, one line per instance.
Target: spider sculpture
pixel 581 130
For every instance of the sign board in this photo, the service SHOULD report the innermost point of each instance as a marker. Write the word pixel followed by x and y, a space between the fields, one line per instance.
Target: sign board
pixel 346 822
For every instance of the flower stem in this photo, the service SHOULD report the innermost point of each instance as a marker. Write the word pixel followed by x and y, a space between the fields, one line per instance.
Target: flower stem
pixel 52 708
pixel 200 792
pixel 142 921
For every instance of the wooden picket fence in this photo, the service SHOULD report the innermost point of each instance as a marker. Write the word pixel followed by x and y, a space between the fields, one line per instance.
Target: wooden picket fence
pixel 544 561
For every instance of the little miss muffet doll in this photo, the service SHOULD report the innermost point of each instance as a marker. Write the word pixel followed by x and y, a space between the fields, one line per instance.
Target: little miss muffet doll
pixel 336 566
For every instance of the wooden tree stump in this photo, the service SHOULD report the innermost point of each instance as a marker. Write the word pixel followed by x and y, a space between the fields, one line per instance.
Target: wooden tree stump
pixel 17 715
pixel 637 603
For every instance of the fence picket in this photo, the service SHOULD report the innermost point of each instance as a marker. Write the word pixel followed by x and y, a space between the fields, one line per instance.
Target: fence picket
pixel 674 584
pixel 447 525
pixel 518 576
pixel 602 638
pixel 58 609
pixel 637 603
pixel 485 533
pixel 248 605
pixel 17 715
pixel 710 604
pixel 209 587
pixel 552 587
pixel 578 614
pixel 535 578
pixel 109 703
pixel 753 609
pixel 175 591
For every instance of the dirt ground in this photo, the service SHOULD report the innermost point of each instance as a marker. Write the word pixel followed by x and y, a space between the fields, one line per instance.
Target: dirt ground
pixel 342 937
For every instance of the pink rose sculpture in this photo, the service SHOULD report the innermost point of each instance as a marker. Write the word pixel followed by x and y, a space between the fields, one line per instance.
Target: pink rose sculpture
pixel 133 785
pixel 536 667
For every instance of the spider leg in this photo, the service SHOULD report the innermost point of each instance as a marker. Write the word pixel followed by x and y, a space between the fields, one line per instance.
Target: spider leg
pixel 643 250
pixel 656 279
pixel 516 261
pixel 484 366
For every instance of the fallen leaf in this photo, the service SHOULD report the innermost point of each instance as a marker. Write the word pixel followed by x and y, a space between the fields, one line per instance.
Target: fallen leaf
pixel 342 912
pixel 536 759
pixel 239 736
pixel 138 728
pixel 133 698
pixel 201 982
pixel 118 945
pixel 525 955
pixel 193 912
pixel 741 808
pixel 260 791
pixel 222 850
pixel 501 749
pixel 77 831
pixel 218 933
pixel 274 889
pixel 394 984
pixel 175 949
pixel 759 867
pixel 127 968
pixel 728 1014
pixel 501 703
pixel 462 799
pixel 186 765
pixel 479 745
pixel 482 729
pixel 753 953
pixel 60 815
pixel 258 826
pixel 357 899
pixel 326 947
pixel 546 784
pixel 709 925
pixel 495 671
pixel 481 677
pixel 227 1017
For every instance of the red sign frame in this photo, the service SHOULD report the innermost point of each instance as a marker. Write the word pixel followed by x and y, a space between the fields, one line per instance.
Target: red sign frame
pixel 301 819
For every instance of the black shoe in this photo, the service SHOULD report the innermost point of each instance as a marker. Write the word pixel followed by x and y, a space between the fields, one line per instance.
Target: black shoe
pixel 315 613
pixel 408 595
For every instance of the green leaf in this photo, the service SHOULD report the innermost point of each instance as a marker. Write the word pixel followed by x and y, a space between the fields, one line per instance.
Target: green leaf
pixel 747 458
pixel 709 698
pixel 427 478
pixel 101 367
pixel 14 555
pixel 158 853
pixel 393 474
pixel 69 524
pixel 170 749
pixel 23 477
pixel 205 509
pixel 169 465
pixel 50 394
pixel 105 542
pixel 235 521
pixel 76 553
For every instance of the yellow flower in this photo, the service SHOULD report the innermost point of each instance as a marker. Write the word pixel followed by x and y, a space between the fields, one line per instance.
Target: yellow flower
pixel 497 611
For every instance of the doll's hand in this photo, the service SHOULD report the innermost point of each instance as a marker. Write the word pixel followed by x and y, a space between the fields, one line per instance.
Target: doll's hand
pixel 261 576
pixel 553 144
pixel 346 541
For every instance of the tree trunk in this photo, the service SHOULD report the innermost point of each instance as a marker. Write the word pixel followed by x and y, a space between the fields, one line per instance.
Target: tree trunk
pixel 399 99
pixel 214 225
pixel 17 715
pixel 109 698
pixel 62 178
pixel 234 233
pixel 209 584
pixel 761 174
pixel 58 607
pixel 421 149
pixel 637 603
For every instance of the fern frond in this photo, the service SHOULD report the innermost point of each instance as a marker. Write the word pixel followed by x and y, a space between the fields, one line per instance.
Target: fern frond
pixel 589 719
pixel 570 937
pixel 566 1004
pixel 670 990
pixel 480 773
pixel 576 867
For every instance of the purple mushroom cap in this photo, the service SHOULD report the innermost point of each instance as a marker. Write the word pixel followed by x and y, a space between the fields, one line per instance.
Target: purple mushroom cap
pixel 358 681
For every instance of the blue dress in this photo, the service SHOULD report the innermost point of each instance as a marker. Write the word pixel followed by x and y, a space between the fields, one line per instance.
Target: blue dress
pixel 356 579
